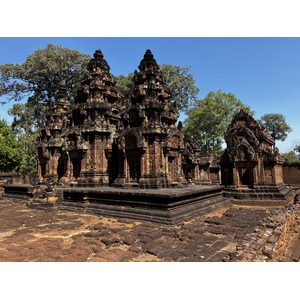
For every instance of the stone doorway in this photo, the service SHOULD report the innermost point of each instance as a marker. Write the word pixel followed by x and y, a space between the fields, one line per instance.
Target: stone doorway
pixel 134 168
pixel 113 164
pixel 43 169
pixel 246 177
pixel 76 167
pixel 133 158
pixel 62 165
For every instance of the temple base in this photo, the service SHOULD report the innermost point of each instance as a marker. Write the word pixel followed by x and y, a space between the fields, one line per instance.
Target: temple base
pixel 18 192
pixel 149 183
pixel 276 194
pixel 167 206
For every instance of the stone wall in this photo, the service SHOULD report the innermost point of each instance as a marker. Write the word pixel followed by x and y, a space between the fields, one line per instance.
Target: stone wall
pixel 15 178
pixel 291 173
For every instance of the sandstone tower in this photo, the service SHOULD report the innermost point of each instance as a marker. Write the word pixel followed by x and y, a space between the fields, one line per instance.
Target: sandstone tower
pixel 150 144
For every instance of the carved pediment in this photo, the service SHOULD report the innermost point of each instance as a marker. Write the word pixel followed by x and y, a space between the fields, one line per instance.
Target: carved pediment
pixel 246 139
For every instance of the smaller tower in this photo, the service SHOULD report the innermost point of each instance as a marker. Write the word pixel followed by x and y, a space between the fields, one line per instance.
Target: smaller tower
pixel 49 143
pixel 251 169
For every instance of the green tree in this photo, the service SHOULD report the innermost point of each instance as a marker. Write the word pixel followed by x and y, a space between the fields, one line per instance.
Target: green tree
pixel 178 79
pixel 181 84
pixel 25 130
pixel 123 83
pixel 9 155
pixel 297 149
pixel 208 119
pixel 24 118
pixel 40 76
pixel 277 126
pixel 290 157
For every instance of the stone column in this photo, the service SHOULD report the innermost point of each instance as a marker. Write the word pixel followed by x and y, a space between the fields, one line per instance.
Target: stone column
pixel 235 177
pixel 84 164
pixel 54 162
pixel 66 176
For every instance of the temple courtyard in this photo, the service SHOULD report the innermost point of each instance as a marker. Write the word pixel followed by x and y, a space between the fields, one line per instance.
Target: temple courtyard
pixel 233 233
pixel 118 180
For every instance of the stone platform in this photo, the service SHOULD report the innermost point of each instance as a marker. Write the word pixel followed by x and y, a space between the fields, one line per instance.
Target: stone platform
pixel 166 206
pixel 18 192
pixel 266 195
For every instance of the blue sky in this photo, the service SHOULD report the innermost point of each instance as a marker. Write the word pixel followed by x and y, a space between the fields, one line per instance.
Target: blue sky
pixel 262 72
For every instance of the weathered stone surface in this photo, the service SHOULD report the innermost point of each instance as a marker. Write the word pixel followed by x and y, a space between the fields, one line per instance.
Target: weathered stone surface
pixel 36 235
pixel 199 168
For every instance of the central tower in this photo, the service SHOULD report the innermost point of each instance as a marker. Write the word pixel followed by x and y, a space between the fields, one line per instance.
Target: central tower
pixel 93 125
pixel 150 145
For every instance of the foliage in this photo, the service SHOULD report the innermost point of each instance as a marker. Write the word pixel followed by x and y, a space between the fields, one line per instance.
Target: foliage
pixel 38 80
pixel 178 79
pixel 123 83
pixel 27 152
pixel 24 116
pixel 181 84
pixel 276 125
pixel 26 132
pixel 40 76
pixel 208 119
pixel 290 157
pixel 9 155
pixel 297 148
pixel 277 150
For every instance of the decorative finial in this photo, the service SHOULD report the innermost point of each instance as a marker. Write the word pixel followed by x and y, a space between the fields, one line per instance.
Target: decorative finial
pixel 98 53
pixel 148 62
pixel 180 126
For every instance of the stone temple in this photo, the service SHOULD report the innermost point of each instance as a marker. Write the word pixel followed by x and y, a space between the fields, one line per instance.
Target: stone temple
pixel 108 154
pixel 102 140
pixel 124 157
pixel 251 168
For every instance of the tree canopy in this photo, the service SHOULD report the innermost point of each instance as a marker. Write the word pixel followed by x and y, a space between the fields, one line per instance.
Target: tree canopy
pixel 178 79
pixel 123 83
pixel 290 157
pixel 40 76
pixel 297 149
pixel 208 119
pixel 9 155
pixel 276 125
pixel 37 80
pixel 181 84
pixel 24 127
